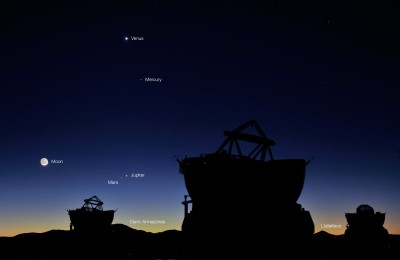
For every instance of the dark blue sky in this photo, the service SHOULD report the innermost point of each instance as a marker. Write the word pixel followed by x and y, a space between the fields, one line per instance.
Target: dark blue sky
pixel 322 80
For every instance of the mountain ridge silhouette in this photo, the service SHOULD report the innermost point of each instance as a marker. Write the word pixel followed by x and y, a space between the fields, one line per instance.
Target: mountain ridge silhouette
pixel 124 242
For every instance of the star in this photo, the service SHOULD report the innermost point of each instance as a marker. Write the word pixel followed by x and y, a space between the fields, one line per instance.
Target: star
pixel 126 38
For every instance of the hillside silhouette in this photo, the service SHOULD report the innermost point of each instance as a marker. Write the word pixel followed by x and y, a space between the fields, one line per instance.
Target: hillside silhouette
pixel 128 243
pixel 122 242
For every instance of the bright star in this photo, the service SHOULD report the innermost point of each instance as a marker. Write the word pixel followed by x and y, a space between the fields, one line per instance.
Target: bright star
pixel 126 38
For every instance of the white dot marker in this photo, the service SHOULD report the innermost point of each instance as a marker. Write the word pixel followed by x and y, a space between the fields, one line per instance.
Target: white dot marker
pixel 126 38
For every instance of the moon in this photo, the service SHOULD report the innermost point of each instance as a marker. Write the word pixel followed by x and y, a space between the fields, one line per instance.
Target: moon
pixel 44 161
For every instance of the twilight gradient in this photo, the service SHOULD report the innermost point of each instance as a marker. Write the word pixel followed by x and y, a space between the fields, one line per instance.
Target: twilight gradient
pixel 321 80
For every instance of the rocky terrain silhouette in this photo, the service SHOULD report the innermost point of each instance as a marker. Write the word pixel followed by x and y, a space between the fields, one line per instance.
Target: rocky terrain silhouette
pixel 124 242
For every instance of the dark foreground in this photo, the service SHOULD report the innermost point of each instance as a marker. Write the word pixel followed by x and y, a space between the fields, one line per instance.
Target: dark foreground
pixel 126 243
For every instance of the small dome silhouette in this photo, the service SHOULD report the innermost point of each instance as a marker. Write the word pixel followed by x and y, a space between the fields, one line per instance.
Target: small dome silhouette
pixel 365 210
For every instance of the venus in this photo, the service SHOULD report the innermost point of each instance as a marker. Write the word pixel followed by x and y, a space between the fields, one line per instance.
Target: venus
pixel 44 161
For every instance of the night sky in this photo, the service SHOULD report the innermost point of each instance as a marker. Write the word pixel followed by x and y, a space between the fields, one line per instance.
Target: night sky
pixel 322 80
